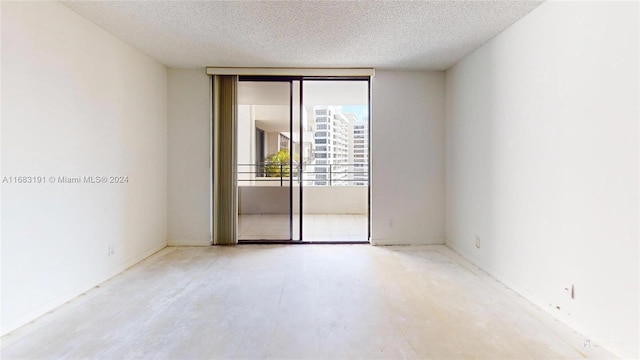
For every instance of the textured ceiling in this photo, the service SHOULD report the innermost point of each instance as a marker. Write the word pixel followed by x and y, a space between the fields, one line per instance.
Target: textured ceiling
pixel 398 35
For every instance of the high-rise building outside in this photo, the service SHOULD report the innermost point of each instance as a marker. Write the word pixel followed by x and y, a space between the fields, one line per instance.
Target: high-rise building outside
pixel 331 146
pixel 340 148
pixel 360 149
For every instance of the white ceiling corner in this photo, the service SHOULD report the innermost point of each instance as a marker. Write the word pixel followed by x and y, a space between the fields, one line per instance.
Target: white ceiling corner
pixel 425 35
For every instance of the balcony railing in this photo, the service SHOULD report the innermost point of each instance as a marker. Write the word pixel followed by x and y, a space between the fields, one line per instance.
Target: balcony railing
pixel 333 174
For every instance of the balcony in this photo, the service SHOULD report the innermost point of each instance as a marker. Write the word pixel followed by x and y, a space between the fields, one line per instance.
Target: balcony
pixel 335 201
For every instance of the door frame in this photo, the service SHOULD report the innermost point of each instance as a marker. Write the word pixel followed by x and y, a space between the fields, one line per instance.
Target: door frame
pixel 290 79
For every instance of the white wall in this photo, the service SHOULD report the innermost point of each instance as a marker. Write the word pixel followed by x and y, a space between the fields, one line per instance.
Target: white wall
pixel 407 157
pixel 263 199
pixel 246 131
pixel 189 133
pixel 542 164
pixel 335 200
pixel 274 199
pixel 76 101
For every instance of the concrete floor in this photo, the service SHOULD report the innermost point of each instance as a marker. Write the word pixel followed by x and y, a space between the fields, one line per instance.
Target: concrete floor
pixel 299 301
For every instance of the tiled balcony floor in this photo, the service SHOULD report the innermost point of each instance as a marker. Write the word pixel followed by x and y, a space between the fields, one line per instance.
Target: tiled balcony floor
pixel 315 227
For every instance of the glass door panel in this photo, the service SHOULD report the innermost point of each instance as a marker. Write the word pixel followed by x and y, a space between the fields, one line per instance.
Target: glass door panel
pixel 336 160
pixel 264 166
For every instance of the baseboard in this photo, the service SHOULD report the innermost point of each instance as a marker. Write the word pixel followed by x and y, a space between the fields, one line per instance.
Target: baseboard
pixel 33 315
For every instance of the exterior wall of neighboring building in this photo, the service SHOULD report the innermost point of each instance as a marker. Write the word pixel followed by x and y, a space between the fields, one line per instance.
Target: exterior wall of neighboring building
pixel 331 146
pixel 360 151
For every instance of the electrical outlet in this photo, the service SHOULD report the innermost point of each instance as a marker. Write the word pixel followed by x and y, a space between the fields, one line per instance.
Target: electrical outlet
pixel 111 250
pixel 478 241
pixel 390 224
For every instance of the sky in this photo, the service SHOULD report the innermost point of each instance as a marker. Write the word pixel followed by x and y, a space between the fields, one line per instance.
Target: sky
pixel 361 111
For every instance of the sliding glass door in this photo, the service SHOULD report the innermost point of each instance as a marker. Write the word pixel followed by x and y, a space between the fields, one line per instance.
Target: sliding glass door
pixel 269 159
pixel 303 159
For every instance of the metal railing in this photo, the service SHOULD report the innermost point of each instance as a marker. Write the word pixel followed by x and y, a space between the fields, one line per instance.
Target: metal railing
pixel 268 172
pixel 334 174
